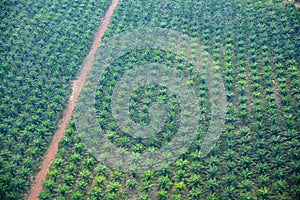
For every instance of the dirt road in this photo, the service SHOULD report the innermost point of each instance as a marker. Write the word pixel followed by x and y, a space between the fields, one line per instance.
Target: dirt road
pixel 77 85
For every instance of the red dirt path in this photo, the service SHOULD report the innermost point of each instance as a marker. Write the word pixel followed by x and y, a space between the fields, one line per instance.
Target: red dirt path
pixel 37 186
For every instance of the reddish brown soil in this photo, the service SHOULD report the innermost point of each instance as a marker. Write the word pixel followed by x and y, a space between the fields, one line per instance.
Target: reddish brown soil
pixel 76 85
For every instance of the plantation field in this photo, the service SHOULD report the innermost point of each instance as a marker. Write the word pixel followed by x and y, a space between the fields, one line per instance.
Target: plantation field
pixel 43 44
pixel 253 45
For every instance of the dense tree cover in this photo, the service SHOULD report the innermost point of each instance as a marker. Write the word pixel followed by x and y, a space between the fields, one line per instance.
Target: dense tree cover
pixel 43 44
pixel 256 45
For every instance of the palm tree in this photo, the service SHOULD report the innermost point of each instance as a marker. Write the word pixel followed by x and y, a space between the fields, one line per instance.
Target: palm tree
pixel 131 184
pixel 63 188
pixel 211 197
pixel 163 182
pixel 264 192
pixel 230 179
pixel 148 176
pixel 195 194
pixel 81 185
pixel 88 163
pixel 196 166
pixel 180 175
pixel 246 184
pixel 53 174
pixel 75 158
pixel 110 196
pixel 71 169
pixel 144 197
pixel 164 170
pixel 280 186
pixel 177 197
pixel 113 187
pixel 229 192
pixel 116 176
pixel 99 181
pixel 181 164
pixel 68 180
pixel 45 196
pixel 194 181
pixel 96 193
pixel 85 175
pixel 162 195
pixel 145 186
pixel 101 170
pixel 49 185
pixel 247 196
pixel 76 196
pixel 263 180
pixel 178 187
pixel 58 162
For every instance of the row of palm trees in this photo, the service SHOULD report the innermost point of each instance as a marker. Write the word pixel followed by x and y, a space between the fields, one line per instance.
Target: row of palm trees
pixel 40 53
pixel 256 156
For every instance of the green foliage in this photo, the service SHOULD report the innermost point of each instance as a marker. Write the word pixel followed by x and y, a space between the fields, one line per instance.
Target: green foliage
pixel 255 45
pixel 43 44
